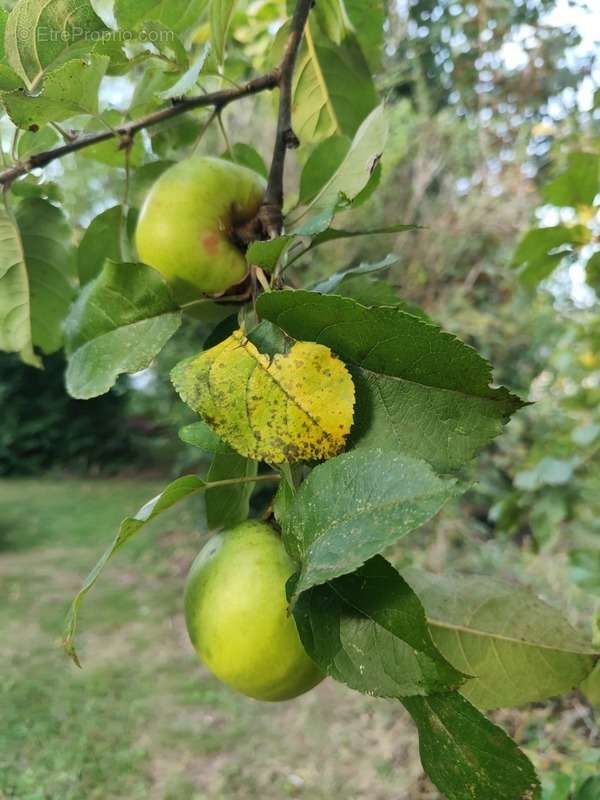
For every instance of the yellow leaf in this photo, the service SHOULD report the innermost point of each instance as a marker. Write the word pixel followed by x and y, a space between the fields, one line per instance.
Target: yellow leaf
pixel 293 407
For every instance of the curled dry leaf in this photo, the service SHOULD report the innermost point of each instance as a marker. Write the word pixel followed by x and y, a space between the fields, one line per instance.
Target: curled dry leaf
pixel 293 407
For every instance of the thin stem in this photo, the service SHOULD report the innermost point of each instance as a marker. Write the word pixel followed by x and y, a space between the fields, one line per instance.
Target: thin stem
pixel 68 137
pixel 218 100
pixel 224 299
pixel 2 153
pixel 261 278
pixel 228 80
pixel 123 238
pixel 223 130
pixel 15 141
pixel 203 130
pixel 250 479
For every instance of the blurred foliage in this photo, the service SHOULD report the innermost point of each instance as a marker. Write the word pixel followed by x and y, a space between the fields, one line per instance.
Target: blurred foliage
pixel 463 54
pixel 43 428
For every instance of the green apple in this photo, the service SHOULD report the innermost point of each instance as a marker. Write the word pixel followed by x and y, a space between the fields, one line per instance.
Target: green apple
pixel 187 224
pixel 237 616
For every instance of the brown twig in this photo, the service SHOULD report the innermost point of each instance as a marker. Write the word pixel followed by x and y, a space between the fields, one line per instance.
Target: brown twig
pixel 271 214
pixel 269 221
pixel 218 100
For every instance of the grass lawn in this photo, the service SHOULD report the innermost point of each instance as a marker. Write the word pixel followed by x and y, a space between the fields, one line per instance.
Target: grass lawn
pixel 143 719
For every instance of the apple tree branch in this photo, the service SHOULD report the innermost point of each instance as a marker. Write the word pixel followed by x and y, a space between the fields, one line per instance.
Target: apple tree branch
pixel 271 214
pixel 280 76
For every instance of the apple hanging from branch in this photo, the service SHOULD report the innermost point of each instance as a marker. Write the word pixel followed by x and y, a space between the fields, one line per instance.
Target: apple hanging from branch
pixel 188 226
pixel 237 615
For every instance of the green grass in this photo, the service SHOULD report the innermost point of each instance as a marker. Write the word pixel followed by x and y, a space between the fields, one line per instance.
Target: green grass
pixel 143 719
pixel 65 513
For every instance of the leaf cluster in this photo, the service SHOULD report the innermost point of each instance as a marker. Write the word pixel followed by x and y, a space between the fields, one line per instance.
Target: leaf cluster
pixel 361 409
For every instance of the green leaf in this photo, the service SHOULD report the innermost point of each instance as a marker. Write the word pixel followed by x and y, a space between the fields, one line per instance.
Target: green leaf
pixel 35 141
pixel 333 90
pixel 221 331
pixel 284 496
pixel 174 493
pixel 589 790
pixel 269 339
pixel 226 506
pixel 358 284
pixel 155 79
pixel 321 165
pixel 42 34
pixel 46 238
pixel 3 20
pixel 370 187
pixel 363 18
pixel 221 13
pixel 368 630
pixel 332 234
pixel 321 221
pixel 15 312
pixel 369 291
pixel 520 649
pixel 35 267
pixel 119 323
pixel 331 284
pixel 591 687
pixel 179 15
pixel 156 36
pixel 592 271
pixel 578 185
pixel 100 242
pixel 30 186
pixel 332 19
pixel 326 234
pixel 111 152
pixel 247 156
pixel 200 435
pixel 188 80
pixel 353 173
pixel 368 18
pixel 9 80
pixel 420 390
pixel 465 755
pixel 266 254
pixel 351 507
pixel 68 90
pixel 541 250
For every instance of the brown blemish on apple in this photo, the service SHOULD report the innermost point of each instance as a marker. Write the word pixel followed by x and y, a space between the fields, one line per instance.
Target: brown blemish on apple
pixel 210 242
